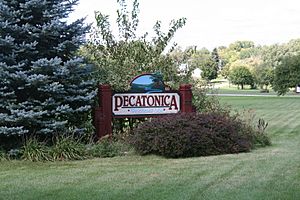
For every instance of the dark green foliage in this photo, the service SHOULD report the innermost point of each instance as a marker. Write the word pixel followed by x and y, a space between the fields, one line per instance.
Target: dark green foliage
pixel 215 56
pixel 209 70
pixel 207 103
pixel 33 150
pixel 264 76
pixel 14 154
pixel 10 142
pixel 287 74
pixel 2 155
pixel 120 58
pixel 241 76
pixel 44 88
pixel 186 135
pixel 207 62
pixel 67 148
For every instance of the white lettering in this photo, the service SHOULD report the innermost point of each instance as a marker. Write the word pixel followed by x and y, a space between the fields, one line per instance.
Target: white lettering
pixel 144 104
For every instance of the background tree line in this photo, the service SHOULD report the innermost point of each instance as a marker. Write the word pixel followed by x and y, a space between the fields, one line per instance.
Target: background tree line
pixel 245 63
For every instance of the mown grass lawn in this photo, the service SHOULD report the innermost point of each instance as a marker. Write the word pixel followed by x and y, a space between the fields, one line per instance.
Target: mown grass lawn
pixel 265 173
pixel 225 88
pixel 250 92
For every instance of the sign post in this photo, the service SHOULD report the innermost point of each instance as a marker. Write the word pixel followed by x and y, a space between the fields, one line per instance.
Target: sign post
pixel 186 94
pixel 103 113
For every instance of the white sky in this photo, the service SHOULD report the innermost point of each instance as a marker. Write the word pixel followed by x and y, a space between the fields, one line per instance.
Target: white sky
pixel 211 23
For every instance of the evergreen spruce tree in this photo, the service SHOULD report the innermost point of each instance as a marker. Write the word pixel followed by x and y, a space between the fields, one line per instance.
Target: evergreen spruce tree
pixel 44 88
pixel 216 58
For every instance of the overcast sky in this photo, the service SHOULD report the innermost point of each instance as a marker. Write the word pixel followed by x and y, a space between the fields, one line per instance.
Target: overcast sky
pixel 212 23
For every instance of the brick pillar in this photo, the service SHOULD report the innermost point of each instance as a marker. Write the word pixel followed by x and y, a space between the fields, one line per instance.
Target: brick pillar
pixel 103 114
pixel 186 95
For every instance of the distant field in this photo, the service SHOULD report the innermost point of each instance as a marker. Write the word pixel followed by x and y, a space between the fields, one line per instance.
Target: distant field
pixel 266 173
pixel 223 87
pixel 232 90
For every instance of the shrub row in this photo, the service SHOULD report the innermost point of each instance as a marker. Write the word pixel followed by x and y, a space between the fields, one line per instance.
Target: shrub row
pixel 65 148
pixel 186 135
pixel 182 135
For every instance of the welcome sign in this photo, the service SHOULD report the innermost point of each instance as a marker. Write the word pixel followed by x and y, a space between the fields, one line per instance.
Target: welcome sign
pixel 148 96
pixel 145 104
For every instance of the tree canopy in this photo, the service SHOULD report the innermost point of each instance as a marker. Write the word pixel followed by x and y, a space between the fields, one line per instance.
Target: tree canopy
pixel 241 75
pixel 287 74
pixel 119 59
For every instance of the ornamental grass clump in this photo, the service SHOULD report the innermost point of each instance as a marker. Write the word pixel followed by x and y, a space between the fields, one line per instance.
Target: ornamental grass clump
pixel 67 147
pixel 193 134
pixel 33 150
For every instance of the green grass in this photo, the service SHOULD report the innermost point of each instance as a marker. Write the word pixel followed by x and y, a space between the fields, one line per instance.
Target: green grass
pixel 223 87
pixel 265 173
pixel 247 91
pixel 234 90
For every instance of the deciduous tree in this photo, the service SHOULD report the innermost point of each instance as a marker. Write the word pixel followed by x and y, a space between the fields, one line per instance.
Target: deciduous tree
pixel 241 75
pixel 207 62
pixel 264 76
pixel 287 74
pixel 119 58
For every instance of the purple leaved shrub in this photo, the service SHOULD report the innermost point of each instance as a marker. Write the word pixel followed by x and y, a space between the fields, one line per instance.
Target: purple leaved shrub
pixel 193 134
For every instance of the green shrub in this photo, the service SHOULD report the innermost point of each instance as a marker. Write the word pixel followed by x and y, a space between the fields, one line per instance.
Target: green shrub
pixel 207 103
pixel 14 154
pixel 34 150
pixel 67 147
pixel 107 147
pixel 186 135
pixel 260 136
pixel 2 155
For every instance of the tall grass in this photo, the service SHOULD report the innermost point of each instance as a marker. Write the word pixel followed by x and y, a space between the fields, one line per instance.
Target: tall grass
pixel 33 150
